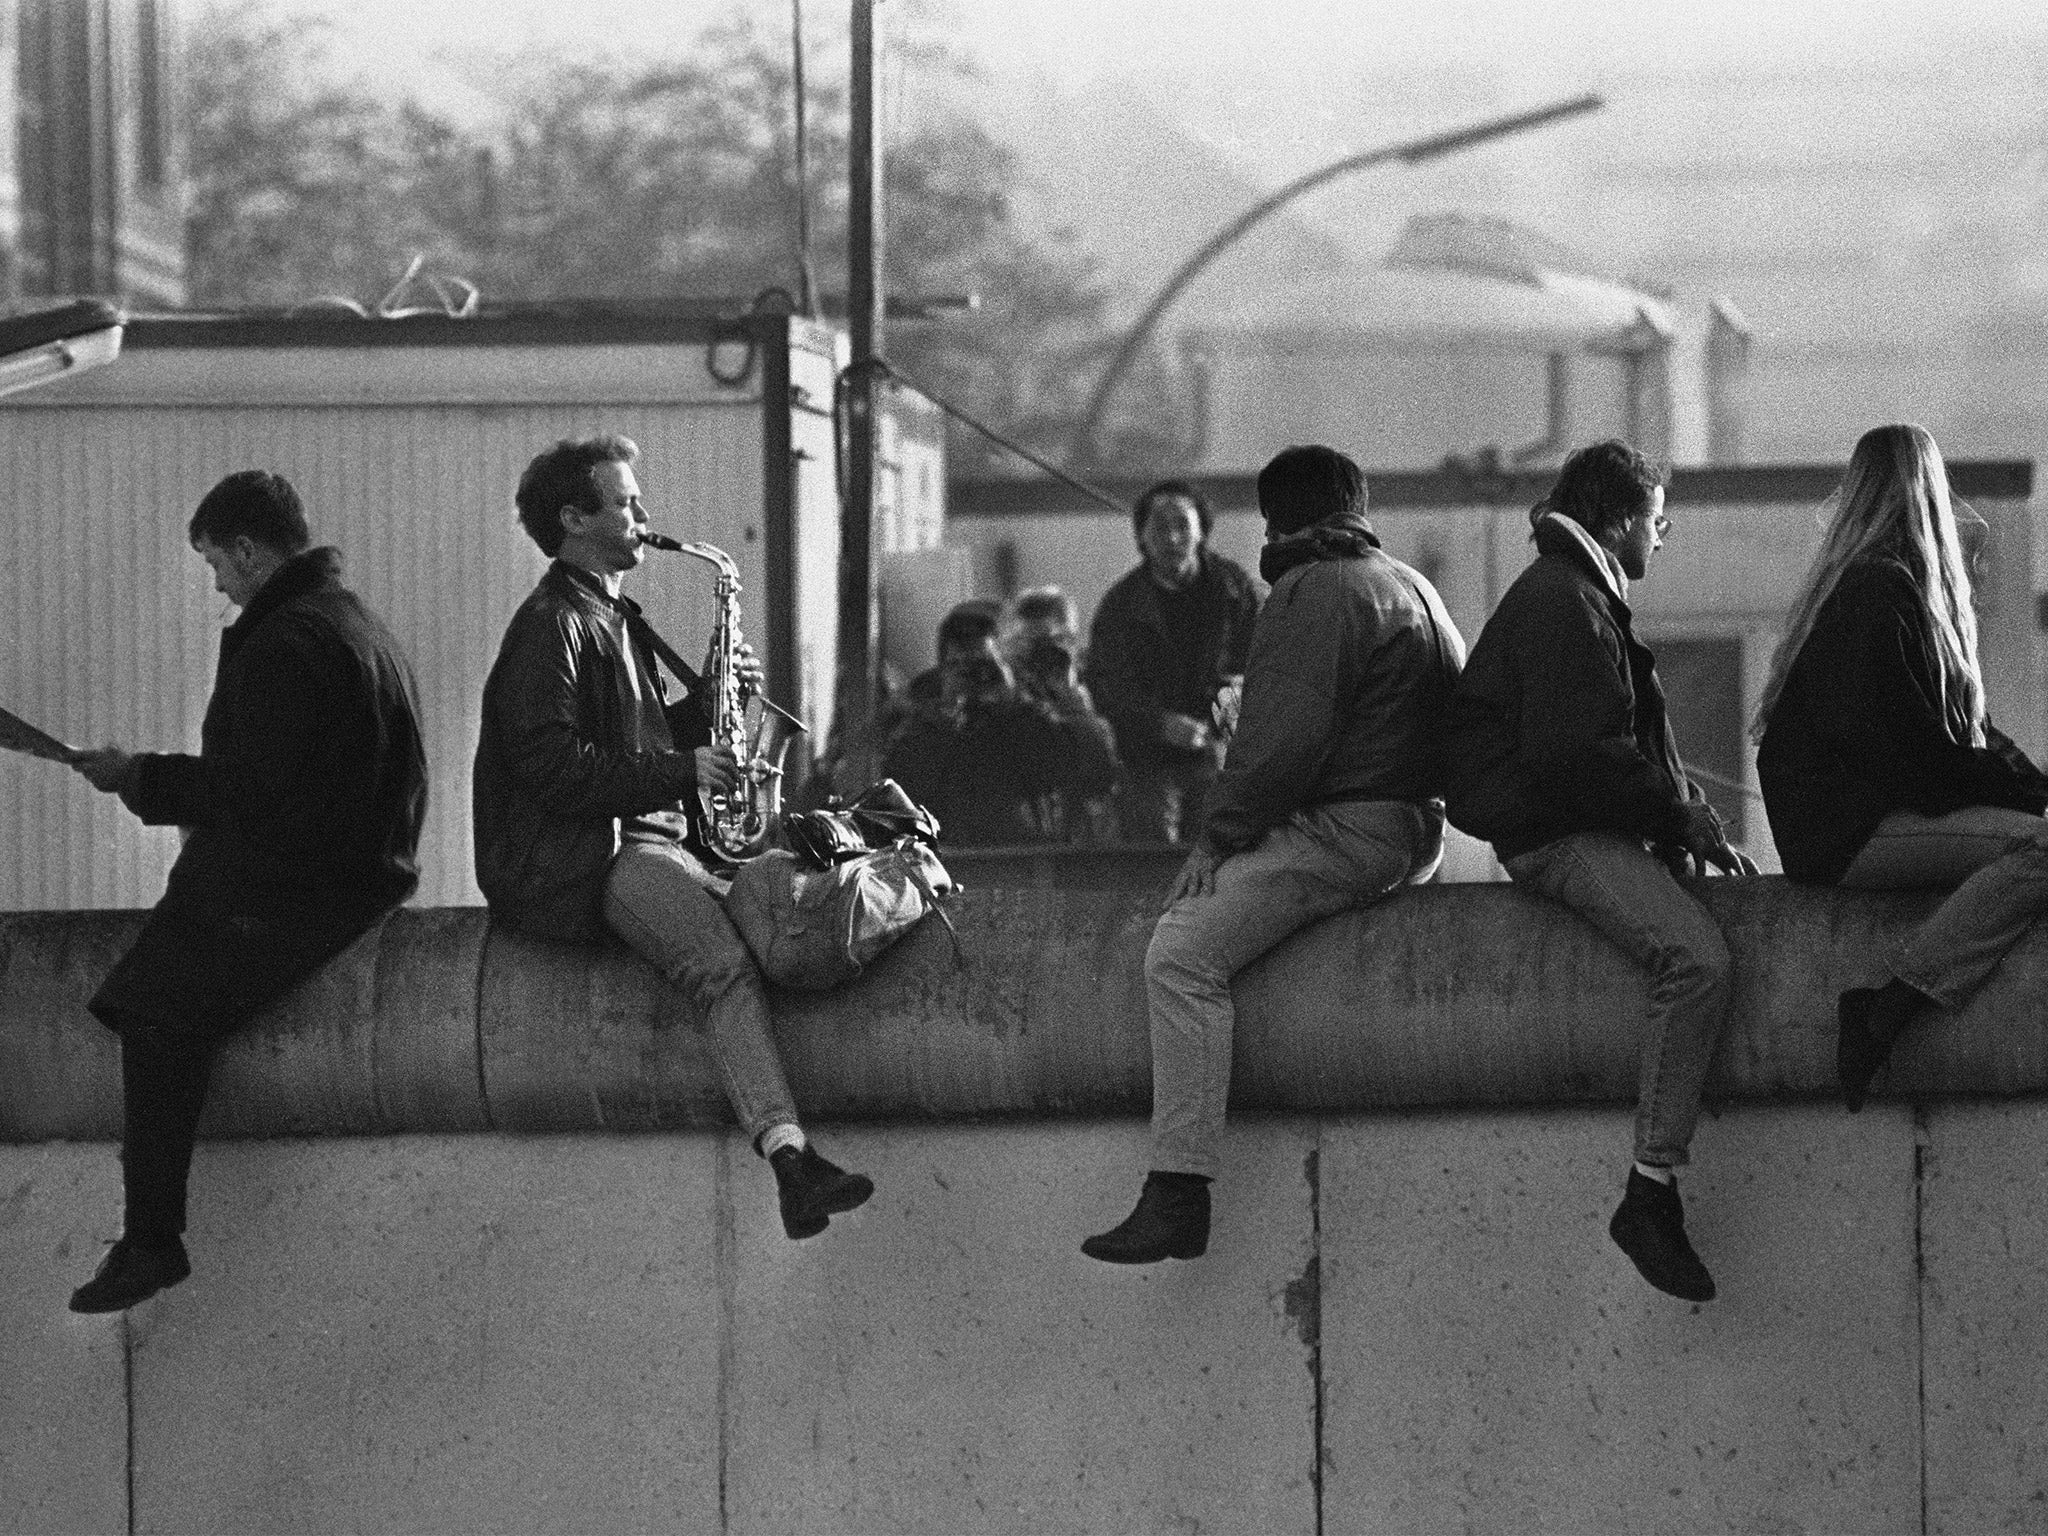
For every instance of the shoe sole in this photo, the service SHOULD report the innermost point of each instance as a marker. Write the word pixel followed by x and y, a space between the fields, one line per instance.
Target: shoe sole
pixel 851 1195
pixel 1653 1282
pixel 1113 1257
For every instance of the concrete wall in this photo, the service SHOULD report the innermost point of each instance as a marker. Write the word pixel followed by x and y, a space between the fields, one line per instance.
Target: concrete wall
pixel 411 1311
pixel 1449 996
pixel 1406 1323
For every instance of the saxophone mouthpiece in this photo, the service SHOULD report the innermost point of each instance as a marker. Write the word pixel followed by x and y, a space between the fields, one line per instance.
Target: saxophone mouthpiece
pixel 655 540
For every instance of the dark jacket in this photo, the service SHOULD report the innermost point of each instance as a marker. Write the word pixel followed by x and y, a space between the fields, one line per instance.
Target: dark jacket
pixel 1141 669
pixel 571 759
pixel 1558 725
pixel 1002 770
pixel 1351 666
pixel 1857 733
pixel 305 804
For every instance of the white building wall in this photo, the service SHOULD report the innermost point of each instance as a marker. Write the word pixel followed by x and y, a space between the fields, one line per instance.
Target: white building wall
pixel 109 625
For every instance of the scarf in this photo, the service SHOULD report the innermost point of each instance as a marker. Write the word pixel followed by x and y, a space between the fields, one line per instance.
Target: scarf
pixel 1346 536
pixel 1603 561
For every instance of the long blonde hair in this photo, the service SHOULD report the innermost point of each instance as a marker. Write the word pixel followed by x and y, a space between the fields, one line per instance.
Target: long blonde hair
pixel 1893 508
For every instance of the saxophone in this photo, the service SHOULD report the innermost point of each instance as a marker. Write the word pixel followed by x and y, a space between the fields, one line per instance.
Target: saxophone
pixel 737 823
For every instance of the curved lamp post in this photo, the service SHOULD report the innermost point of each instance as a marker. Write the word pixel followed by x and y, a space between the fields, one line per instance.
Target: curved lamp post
pixel 1414 152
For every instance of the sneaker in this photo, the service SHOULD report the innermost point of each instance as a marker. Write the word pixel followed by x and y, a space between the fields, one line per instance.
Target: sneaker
pixel 132 1271
pixel 1649 1227
pixel 1171 1221
pixel 814 1189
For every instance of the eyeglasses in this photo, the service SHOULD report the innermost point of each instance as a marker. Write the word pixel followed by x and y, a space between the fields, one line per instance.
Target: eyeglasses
pixel 1660 524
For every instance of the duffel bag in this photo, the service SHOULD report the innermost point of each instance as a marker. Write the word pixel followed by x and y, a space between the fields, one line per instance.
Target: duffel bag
pixel 818 928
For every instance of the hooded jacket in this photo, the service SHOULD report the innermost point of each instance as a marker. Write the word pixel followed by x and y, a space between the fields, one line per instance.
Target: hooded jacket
pixel 1559 723
pixel 1352 662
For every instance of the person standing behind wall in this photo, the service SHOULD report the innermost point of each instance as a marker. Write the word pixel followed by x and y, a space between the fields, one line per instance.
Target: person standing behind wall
pixel 304 805
pixel 1330 800
pixel 1167 637
pixel 1562 757
pixel 1880 768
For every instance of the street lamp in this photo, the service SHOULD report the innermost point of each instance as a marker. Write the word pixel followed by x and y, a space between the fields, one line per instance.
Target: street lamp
pixel 1414 152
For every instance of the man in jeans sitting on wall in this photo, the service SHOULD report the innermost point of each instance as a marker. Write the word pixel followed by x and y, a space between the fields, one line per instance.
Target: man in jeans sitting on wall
pixel 1329 799
pixel 578 797
pixel 1562 758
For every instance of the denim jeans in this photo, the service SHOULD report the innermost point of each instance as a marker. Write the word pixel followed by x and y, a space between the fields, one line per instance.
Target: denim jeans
pixel 1996 859
pixel 664 903
pixel 1317 862
pixel 1630 897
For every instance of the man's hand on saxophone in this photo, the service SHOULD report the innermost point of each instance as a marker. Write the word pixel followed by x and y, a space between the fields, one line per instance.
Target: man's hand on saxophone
pixel 717 769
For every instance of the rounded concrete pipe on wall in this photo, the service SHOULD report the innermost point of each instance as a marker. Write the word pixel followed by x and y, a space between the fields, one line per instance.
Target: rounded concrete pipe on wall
pixel 1444 996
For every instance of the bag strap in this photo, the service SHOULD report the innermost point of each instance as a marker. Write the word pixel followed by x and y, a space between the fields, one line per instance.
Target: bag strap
pixel 641 630
pixel 913 867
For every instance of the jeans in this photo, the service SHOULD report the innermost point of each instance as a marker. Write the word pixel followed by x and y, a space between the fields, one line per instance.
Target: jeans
pixel 1316 863
pixel 1613 883
pixel 664 903
pixel 1996 859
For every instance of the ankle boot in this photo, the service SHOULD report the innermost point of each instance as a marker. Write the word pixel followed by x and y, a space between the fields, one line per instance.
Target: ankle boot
pixel 813 1189
pixel 1872 1019
pixel 1649 1227
pixel 133 1270
pixel 1171 1222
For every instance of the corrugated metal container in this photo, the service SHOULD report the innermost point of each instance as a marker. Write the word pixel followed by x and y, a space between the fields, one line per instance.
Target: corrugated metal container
pixel 406 439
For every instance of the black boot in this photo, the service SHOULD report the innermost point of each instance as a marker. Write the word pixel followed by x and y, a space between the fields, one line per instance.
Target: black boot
pixel 133 1270
pixel 1872 1019
pixel 813 1190
pixel 1649 1227
pixel 1171 1222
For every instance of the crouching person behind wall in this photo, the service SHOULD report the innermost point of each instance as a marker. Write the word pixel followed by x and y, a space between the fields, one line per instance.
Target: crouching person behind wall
pixel 1328 799
pixel 579 786
pixel 1562 757
pixel 996 761
pixel 304 807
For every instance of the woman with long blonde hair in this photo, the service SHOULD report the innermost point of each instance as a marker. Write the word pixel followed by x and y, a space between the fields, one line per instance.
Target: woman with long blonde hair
pixel 1880 768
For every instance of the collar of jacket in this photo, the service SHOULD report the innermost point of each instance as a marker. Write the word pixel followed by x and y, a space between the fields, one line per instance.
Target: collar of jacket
pixel 307 571
pixel 1345 536
pixel 576 581
pixel 1557 534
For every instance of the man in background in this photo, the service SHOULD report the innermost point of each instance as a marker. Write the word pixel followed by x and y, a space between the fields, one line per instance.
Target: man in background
pixel 1168 638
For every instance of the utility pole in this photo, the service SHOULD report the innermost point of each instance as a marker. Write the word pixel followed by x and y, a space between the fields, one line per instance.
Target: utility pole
pixel 859 622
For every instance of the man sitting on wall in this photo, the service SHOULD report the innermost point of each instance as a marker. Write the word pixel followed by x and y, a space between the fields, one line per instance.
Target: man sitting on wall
pixel 1167 637
pixel 579 787
pixel 1563 758
pixel 988 757
pixel 1330 799
pixel 304 807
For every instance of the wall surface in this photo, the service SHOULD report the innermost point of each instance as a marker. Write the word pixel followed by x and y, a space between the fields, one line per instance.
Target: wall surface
pixel 1405 1323
pixel 476 1250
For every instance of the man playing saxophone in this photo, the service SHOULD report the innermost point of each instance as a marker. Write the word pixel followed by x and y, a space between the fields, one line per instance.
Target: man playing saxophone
pixel 579 785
